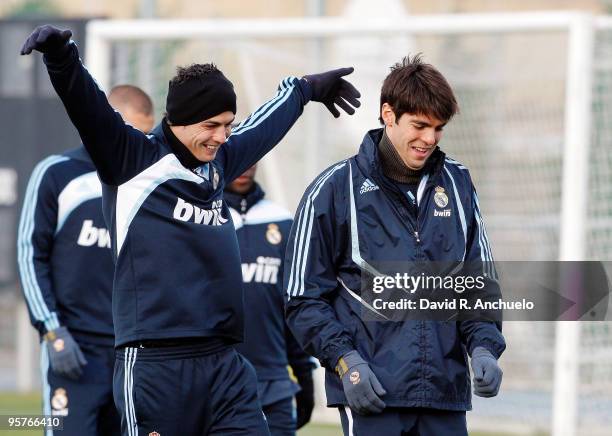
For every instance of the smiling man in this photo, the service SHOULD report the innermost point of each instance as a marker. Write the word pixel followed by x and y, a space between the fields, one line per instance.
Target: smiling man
pixel 177 294
pixel 399 200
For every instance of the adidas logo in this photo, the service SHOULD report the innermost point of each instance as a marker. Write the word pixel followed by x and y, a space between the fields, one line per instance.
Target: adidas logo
pixel 368 186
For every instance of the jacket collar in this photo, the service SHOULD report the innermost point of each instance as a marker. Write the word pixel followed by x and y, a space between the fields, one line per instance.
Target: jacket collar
pixel 182 153
pixel 368 158
pixel 243 202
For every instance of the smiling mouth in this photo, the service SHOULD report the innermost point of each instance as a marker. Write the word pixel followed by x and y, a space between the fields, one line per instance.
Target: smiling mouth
pixel 421 149
pixel 211 147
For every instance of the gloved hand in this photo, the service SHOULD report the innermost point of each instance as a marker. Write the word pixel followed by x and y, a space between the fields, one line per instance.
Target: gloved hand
pixel 305 398
pixel 48 40
pixel 329 88
pixel 487 373
pixel 361 387
pixel 65 356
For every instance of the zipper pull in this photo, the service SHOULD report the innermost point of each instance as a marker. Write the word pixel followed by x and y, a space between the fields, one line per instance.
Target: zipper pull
pixel 243 206
pixel 416 235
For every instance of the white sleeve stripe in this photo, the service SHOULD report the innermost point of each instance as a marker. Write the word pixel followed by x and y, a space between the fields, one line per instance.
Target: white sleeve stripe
pixel 482 230
pixel 31 288
pixel 297 250
pixel 461 211
pixel 262 112
pixel 263 107
pixel 454 162
pixel 302 241
pixel 486 254
pixel 309 231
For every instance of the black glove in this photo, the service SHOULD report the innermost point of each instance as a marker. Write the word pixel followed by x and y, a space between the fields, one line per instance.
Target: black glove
pixel 305 398
pixel 65 356
pixel 487 373
pixel 329 88
pixel 361 387
pixel 48 40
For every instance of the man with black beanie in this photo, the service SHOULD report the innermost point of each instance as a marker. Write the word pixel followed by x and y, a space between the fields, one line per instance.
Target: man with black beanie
pixel 177 295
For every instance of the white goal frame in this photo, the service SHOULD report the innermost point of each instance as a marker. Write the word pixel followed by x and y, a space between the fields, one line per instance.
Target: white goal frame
pixel 580 28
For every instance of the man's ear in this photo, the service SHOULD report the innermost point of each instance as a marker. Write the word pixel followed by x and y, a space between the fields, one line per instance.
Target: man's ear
pixel 387 114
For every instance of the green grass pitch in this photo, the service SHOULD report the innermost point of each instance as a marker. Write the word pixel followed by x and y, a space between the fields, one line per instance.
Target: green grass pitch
pixel 24 404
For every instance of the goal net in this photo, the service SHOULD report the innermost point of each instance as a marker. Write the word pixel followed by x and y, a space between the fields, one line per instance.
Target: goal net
pixel 522 125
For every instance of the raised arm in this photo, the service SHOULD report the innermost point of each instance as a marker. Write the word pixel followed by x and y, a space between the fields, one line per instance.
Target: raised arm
pixel 266 126
pixel 118 150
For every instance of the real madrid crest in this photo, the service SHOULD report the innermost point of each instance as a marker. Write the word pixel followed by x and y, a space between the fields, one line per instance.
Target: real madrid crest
pixel 58 345
pixel 273 234
pixel 440 197
pixel 59 402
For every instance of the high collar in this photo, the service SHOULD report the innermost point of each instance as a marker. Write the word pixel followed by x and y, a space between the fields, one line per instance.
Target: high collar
pixel 243 202
pixel 393 165
pixel 368 157
pixel 183 154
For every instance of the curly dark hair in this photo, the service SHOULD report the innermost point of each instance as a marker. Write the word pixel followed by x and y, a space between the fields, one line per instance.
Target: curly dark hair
pixel 193 71
pixel 415 87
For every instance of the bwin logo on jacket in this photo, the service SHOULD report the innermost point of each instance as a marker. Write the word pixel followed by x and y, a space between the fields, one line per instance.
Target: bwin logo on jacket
pixel 185 211
pixel 90 235
pixel 265 270
pixel 368 186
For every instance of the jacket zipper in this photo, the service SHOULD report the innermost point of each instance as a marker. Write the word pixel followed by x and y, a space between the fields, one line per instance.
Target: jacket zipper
pixel 243 208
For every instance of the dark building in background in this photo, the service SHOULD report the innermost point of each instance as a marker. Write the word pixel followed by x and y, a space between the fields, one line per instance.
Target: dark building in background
pixel 33 125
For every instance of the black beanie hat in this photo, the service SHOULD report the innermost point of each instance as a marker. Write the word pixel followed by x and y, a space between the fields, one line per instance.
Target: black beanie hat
pixel 199 98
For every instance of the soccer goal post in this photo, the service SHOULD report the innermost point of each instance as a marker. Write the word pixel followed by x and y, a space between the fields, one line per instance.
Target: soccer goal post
pixel 533 97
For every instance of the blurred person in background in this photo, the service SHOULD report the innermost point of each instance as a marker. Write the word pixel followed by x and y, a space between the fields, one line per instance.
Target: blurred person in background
pixel 263 230
pixel 399 200
pixel 66 272
pixel 177 292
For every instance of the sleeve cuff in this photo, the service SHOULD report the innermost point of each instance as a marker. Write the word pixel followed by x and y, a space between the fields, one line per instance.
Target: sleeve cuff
pixel 495 349
pixel 333 354
pixel 57 62
pixel 306 89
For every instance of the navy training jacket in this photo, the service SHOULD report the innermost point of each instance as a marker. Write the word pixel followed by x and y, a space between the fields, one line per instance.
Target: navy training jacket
pixel 177 263
pixel 352 217
pixel 63 249
pixel 263 230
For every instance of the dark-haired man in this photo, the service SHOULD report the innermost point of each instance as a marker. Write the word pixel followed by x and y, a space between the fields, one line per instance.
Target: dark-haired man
pixel 67 279
pixel 177 296
pixel 375 210
pixel 263 227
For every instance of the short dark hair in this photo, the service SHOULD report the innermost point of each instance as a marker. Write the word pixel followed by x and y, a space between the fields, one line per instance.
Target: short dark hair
pixel 415 87
pixel 122 96
pixel 193 71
